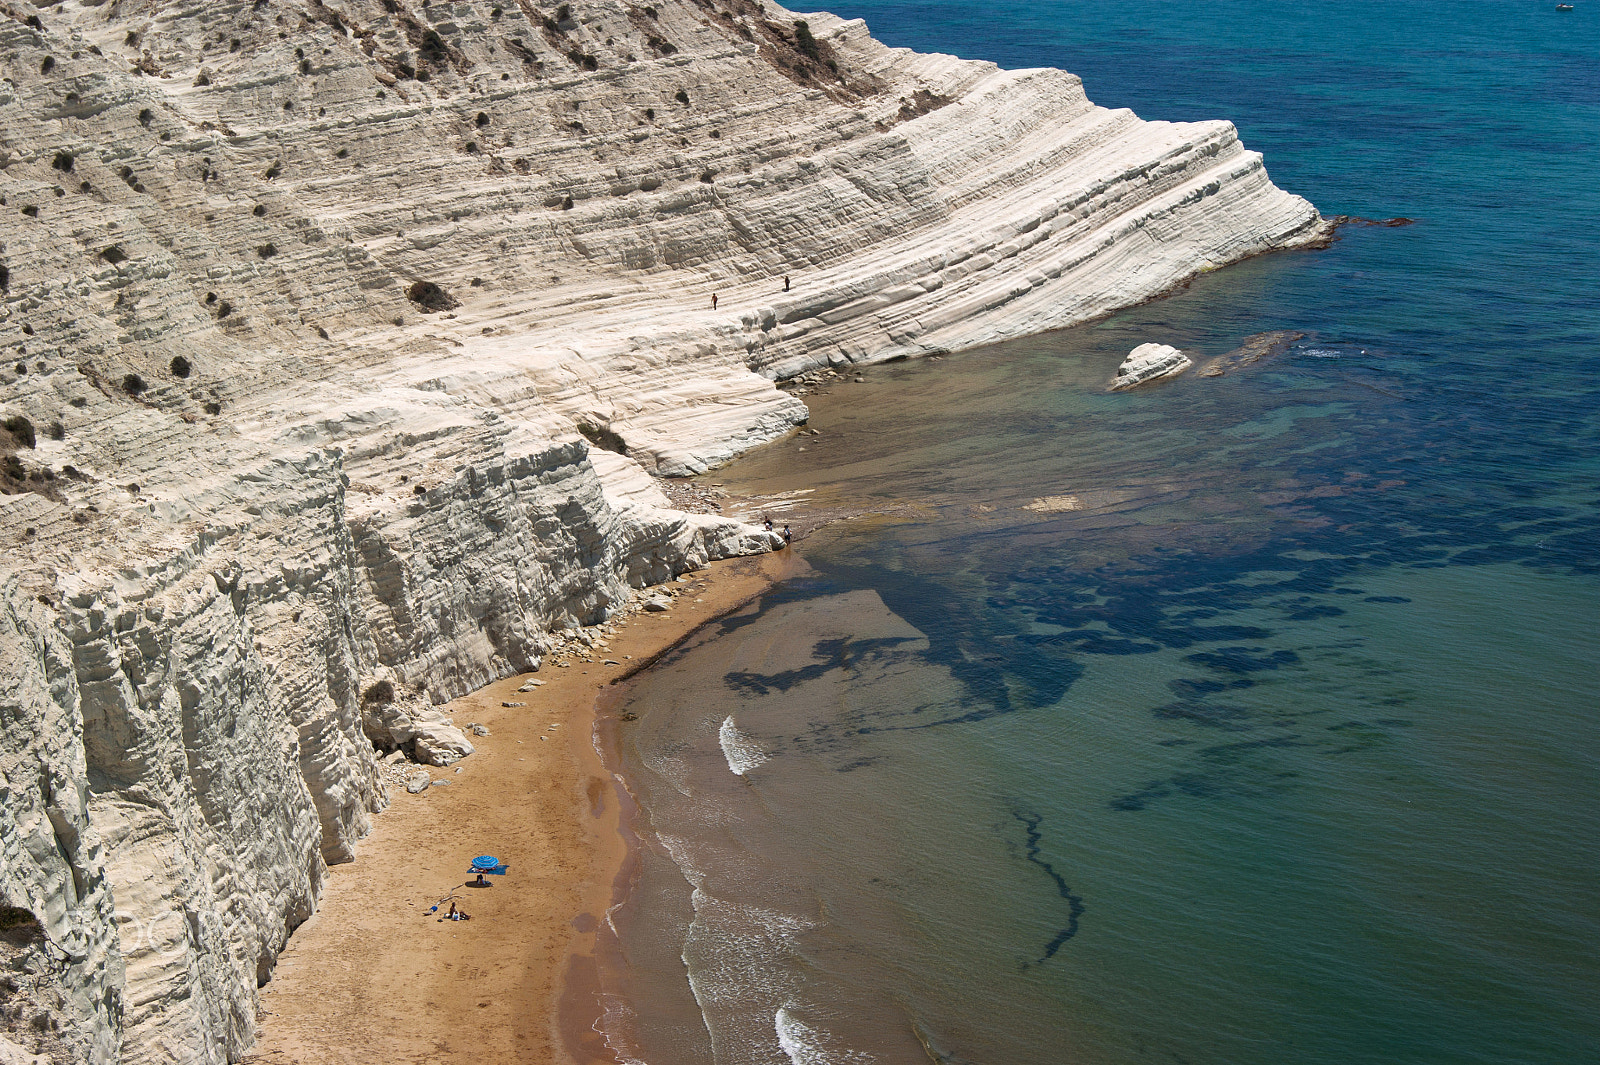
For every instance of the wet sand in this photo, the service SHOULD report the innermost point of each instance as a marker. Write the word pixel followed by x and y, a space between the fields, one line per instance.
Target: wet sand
pixel 374 976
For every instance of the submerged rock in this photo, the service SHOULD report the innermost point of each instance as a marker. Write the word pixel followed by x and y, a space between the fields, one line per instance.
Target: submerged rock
pixel 309 484
pixel 1150 362
pixel 1252 350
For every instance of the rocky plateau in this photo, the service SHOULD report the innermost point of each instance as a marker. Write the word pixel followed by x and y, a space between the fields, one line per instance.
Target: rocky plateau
pixel 344 341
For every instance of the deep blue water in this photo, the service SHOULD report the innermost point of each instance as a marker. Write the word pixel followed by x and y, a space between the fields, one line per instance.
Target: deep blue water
pixel 1282 743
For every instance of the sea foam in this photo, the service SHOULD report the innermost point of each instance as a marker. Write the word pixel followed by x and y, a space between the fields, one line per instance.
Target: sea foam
pixel 742 752
pixel 805 1045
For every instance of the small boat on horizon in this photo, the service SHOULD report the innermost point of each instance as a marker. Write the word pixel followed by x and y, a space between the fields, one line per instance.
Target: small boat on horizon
pixel 1563 7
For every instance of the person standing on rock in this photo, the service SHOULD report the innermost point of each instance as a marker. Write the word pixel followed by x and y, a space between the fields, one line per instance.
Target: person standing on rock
pixel 786 282
pixel 713 301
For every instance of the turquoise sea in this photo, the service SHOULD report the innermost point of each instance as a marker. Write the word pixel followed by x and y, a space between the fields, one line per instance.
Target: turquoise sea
pixel 1273 737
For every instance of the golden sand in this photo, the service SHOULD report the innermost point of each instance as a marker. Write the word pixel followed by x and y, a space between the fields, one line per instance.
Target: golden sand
pixel 376 977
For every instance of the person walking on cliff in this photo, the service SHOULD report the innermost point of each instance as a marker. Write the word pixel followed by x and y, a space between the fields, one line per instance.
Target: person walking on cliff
pixel 713 301
pixel 786 282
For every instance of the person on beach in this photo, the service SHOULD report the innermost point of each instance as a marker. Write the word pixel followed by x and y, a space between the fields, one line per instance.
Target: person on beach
pixel 786 282
pixel 788 537
pixel 713 301
pixel 480 882
pixel 769 525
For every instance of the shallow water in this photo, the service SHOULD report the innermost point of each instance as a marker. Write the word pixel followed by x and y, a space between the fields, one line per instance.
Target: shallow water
pixel 1280 743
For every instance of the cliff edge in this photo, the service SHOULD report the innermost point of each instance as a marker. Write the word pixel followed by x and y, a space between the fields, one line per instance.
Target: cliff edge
pixel 340 339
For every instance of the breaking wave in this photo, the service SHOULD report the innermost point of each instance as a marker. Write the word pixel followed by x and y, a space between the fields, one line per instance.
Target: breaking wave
pixel 742 752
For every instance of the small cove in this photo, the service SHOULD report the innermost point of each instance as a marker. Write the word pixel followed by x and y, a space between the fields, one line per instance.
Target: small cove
pixel 1276 742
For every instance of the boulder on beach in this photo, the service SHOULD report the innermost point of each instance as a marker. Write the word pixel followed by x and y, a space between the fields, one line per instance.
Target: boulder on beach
pixel 395 719
pixel 1150 362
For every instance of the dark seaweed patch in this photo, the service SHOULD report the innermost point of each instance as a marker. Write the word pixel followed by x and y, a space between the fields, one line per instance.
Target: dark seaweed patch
pixel 1092 642
pixel 831 655
pixel 1223 771
pixel 1208 715
pixel 1190 687
pixel 999 675
pixel 1031 852
pixel 1243 659
pixel 1321 610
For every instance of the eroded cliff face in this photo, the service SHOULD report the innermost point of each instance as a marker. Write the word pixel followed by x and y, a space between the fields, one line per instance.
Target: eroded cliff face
pixel 312 314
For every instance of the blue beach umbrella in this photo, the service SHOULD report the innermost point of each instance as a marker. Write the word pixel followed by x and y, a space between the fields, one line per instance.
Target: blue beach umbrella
pixel 485 862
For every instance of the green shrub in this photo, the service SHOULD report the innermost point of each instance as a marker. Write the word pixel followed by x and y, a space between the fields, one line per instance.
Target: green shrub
pixel 806 43
pixel 21 430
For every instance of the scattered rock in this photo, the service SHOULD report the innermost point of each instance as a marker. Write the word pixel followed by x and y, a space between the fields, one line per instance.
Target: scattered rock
pixel 440 743
pixel 480 730
pixel 396 755
pixel 392 718
pixel 1150 362
pixel 658 604
pixel 418 783
pixel 1332 226
pixel 507 702
pixel 1252 350
pixel 531 686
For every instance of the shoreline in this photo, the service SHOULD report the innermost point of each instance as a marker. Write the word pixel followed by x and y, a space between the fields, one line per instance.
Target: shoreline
pixel 373 975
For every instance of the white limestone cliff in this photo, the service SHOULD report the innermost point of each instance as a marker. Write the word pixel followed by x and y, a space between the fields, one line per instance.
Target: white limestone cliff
pixel 1150 362
pixel 248 476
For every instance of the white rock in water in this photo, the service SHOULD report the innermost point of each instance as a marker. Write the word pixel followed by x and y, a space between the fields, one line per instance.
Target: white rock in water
pixel 297 480
pixel 1150 362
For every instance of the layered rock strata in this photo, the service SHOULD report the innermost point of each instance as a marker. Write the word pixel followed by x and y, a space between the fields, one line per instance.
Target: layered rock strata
pixel 340 340
pixel 1150 362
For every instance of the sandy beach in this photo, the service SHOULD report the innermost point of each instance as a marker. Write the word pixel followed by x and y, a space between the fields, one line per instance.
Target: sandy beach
pixel 374 976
